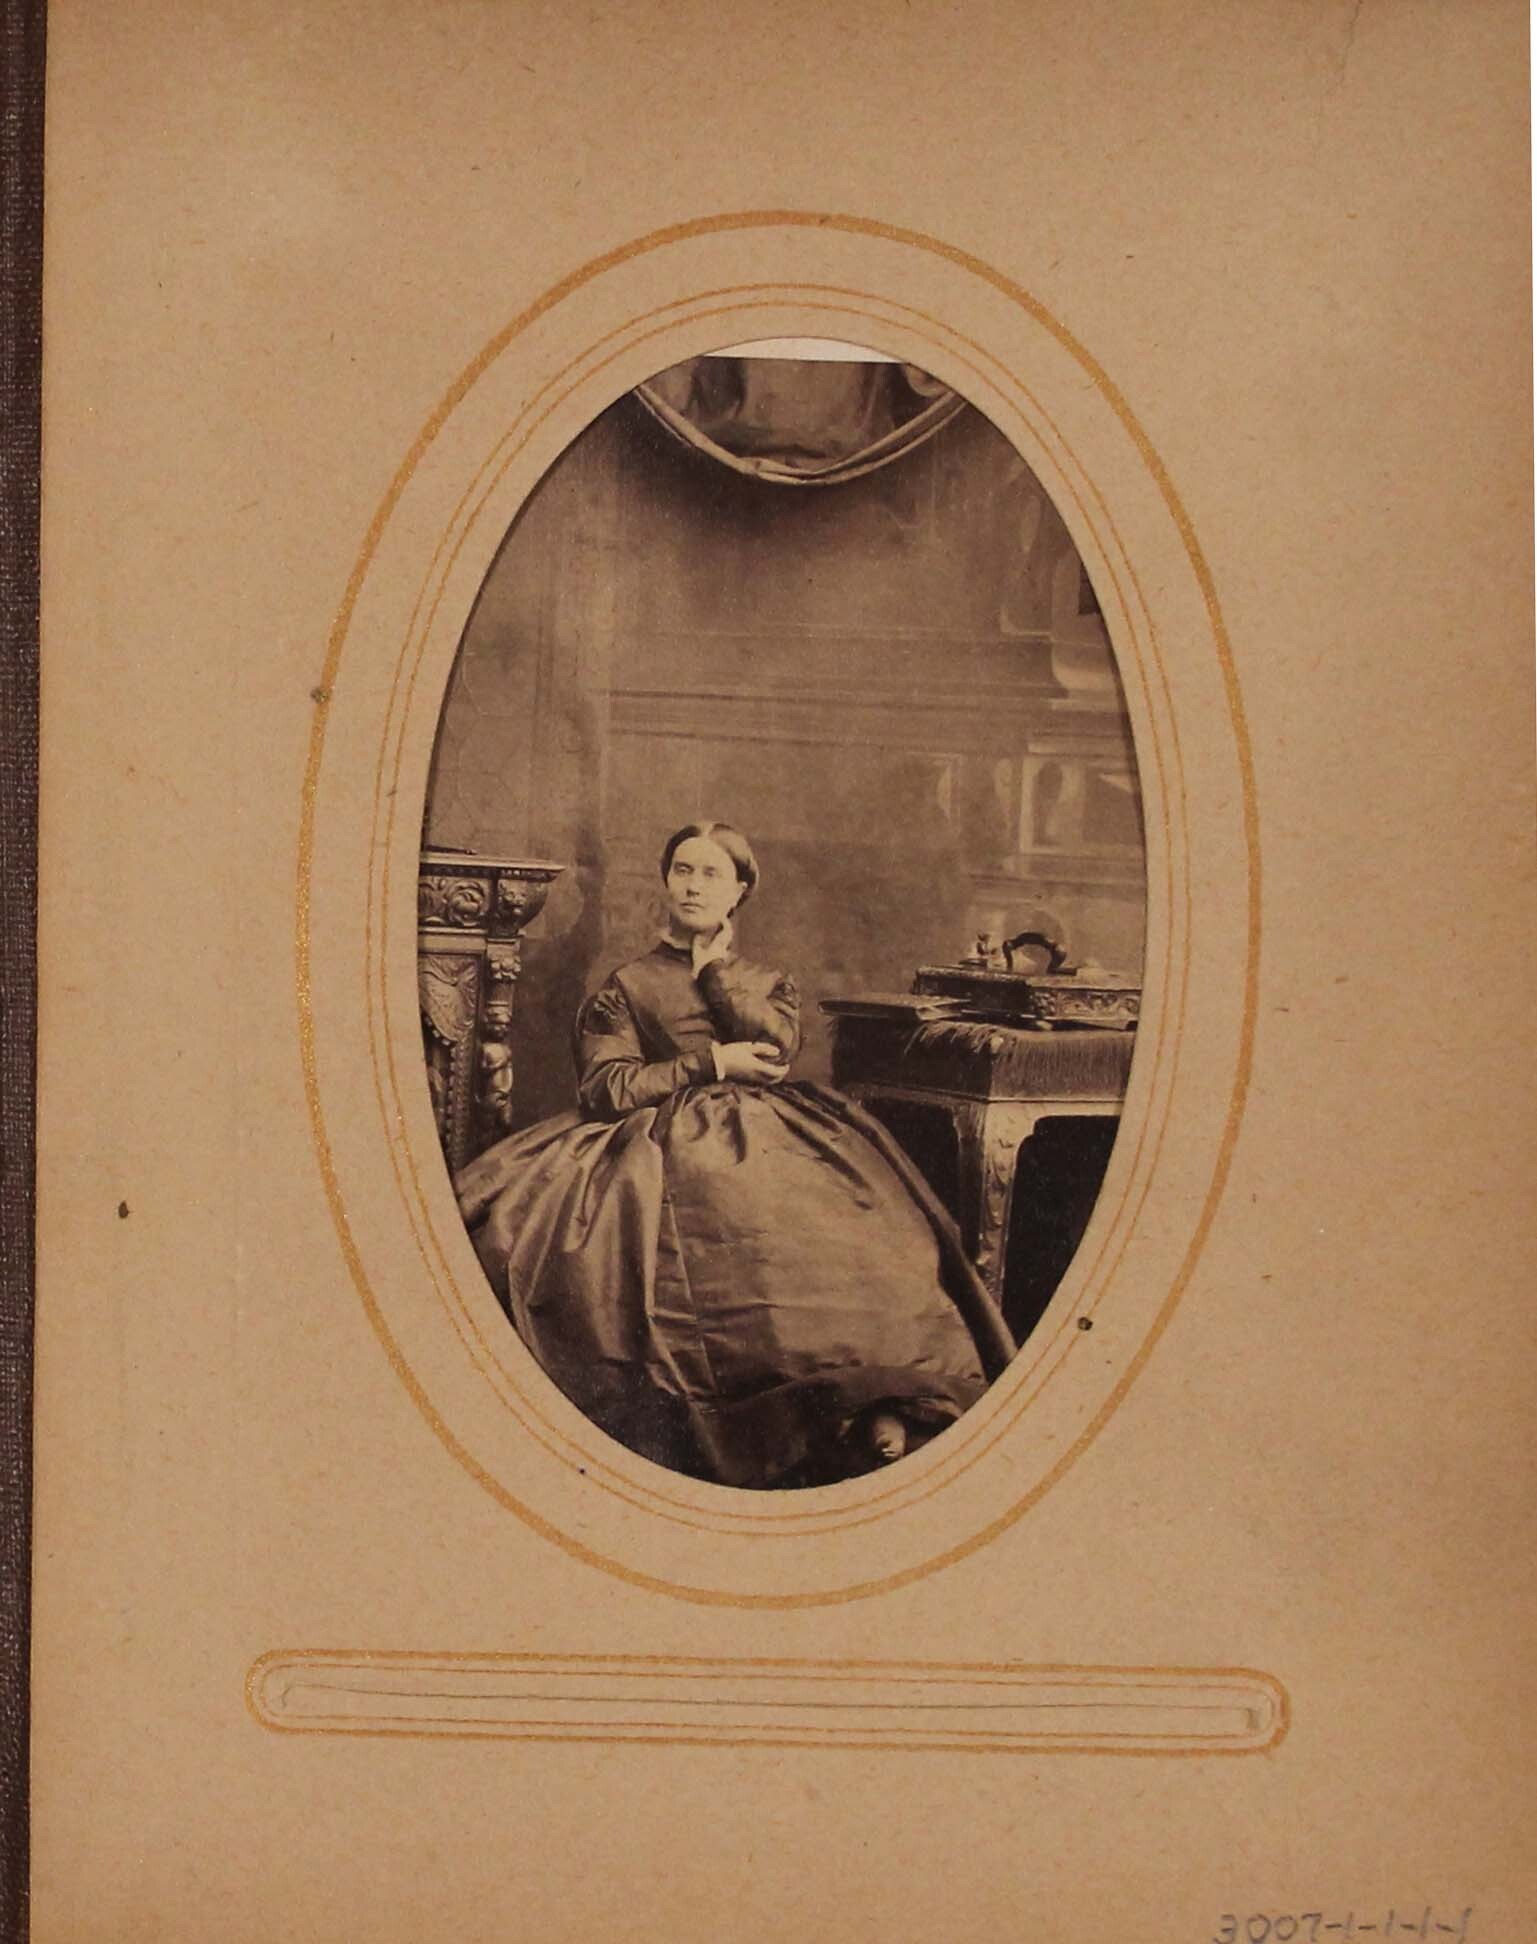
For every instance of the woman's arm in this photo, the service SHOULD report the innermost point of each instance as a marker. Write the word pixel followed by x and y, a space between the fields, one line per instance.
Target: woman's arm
pixel 614 1076
pixel 749 1004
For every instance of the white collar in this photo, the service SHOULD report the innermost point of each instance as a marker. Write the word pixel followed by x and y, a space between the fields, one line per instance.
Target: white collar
pixel 727 934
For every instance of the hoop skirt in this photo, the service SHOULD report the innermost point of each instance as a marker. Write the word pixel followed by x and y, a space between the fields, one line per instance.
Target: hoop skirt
pixel 723 1275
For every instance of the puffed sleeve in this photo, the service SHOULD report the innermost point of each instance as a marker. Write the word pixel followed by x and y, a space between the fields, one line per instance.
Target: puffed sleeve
pixel 614 1076
pixel 750 1003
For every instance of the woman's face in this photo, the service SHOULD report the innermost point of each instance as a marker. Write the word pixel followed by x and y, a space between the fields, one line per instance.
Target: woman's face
pixel 702 885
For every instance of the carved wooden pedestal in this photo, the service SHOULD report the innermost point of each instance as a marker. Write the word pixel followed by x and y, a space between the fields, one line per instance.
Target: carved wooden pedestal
pixel 471 915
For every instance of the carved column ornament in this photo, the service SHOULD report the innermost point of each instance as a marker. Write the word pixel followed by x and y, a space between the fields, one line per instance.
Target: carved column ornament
pixel 472 913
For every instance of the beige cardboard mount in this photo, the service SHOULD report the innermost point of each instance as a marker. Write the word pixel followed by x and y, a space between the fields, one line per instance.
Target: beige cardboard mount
pixel 1209 1621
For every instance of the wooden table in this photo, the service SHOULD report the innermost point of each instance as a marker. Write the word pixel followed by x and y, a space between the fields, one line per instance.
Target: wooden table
pixel 996 1083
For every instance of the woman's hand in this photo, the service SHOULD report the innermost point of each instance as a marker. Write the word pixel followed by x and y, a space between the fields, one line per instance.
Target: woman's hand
pixel 759 1060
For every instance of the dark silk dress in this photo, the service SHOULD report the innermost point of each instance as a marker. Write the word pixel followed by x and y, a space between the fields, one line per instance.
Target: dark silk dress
pixel 724 1274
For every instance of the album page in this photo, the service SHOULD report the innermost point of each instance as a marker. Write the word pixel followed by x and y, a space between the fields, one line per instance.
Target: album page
pixel 786 1009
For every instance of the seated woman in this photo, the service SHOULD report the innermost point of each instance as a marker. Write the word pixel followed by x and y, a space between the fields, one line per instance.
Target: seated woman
pixel 741 1277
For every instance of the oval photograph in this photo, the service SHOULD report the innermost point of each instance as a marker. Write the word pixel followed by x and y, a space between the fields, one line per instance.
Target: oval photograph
pixel 782 902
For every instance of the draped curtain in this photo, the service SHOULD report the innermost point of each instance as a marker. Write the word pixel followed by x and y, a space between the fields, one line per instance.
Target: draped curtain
pixel 799 422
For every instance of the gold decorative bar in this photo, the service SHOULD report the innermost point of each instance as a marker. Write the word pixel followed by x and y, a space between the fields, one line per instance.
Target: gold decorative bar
pixel 1007 1707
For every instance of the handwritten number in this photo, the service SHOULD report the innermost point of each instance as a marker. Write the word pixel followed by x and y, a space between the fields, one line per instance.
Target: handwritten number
pixel 1305 1928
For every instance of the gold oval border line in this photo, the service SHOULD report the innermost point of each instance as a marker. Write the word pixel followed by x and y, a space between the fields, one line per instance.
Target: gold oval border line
pixel 964 1451
pixel 1015 293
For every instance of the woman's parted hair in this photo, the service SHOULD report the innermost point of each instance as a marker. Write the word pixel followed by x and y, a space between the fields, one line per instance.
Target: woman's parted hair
pixel 730 840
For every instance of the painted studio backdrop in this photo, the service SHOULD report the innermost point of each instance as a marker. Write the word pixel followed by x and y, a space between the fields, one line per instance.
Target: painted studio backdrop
pixel 825 601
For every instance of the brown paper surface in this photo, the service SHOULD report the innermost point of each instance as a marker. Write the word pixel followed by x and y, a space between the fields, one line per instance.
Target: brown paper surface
pixel 1210 1620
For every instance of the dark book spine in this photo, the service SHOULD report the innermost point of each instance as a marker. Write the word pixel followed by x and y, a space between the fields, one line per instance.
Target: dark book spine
pixel 21 246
